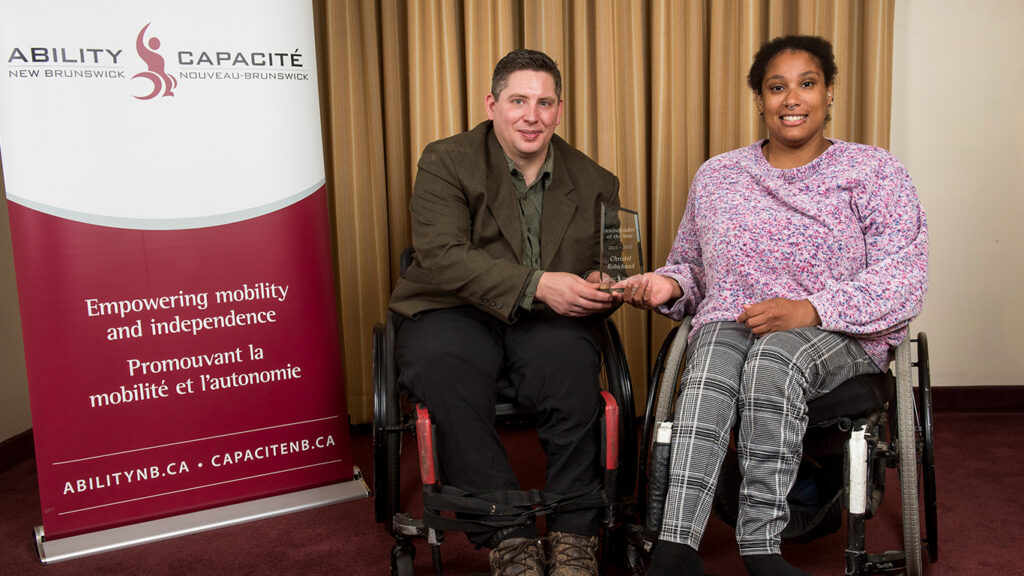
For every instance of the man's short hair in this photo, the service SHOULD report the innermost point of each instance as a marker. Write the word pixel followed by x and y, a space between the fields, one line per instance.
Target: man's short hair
pixel 524 59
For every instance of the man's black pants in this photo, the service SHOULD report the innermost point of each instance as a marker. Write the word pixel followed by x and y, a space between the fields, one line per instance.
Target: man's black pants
pixel 451 359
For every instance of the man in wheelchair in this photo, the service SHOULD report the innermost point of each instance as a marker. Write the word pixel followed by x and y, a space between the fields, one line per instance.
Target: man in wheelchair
pixel 505 231
pixel 802 261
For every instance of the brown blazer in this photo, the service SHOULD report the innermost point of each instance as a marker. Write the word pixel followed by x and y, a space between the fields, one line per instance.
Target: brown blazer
pixel 467 232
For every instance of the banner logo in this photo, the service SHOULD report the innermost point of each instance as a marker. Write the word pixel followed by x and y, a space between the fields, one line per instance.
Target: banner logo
pixel 162 81
pixel 166 65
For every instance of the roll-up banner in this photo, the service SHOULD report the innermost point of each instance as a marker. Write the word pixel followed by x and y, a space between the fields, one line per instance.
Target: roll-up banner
pixel 165 179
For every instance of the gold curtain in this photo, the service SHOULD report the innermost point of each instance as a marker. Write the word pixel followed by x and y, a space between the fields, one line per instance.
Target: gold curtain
pixel 652 88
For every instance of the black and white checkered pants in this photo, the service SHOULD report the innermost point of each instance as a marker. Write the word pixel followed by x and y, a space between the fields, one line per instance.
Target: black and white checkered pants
pixel 767 382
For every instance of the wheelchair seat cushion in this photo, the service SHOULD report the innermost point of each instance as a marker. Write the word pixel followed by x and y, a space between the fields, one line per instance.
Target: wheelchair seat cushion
pixel 855 398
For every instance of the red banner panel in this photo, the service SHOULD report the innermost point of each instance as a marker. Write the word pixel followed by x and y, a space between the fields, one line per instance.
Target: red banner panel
pixel 177 370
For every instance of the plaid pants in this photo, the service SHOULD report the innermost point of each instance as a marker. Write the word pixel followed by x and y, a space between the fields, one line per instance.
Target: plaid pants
pixel 767 382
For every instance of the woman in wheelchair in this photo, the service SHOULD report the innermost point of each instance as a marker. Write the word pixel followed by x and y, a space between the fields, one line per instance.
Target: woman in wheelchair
pixel 802 260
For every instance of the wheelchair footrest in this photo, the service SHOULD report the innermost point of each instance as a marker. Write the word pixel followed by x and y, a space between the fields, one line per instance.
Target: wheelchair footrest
pixel 406 525
pixel 892 562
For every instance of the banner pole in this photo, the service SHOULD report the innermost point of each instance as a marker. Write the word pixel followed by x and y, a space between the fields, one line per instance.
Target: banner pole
pixel 72 547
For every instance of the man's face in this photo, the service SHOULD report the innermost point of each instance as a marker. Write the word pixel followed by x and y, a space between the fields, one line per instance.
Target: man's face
pixel 525 114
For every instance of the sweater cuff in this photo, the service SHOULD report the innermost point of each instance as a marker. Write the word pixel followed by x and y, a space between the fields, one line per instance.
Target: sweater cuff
pixel 674 309
pixel 825 310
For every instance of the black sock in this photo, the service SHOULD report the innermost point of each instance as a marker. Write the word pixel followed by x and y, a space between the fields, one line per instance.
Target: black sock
pixel 675 559
pixel 770 565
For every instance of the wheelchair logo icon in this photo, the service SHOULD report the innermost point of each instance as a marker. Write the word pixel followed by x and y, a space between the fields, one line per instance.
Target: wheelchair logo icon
pixel 161 80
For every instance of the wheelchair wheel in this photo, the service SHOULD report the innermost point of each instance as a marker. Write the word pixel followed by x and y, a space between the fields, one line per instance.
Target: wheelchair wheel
pixel 669 379
pixel 620 386
pixel 380 508
pixel 647 429
pixel 908 460
pixel 924 385
pixel 661 399
pixel 402 556
pixel 386 433
pixel 661 393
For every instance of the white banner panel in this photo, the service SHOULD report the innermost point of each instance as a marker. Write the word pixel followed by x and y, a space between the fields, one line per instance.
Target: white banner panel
pixel 176 98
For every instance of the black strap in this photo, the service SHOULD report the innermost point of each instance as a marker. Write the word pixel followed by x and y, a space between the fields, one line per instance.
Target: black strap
pixel 499 509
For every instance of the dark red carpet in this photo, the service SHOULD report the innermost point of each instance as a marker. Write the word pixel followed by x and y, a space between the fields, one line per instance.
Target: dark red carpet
pixel 980 484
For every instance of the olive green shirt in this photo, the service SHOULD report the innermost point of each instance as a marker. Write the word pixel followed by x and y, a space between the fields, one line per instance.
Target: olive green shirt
pixel 531 206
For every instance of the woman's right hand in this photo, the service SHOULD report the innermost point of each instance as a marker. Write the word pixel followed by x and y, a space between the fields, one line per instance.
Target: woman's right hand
pixel 648 291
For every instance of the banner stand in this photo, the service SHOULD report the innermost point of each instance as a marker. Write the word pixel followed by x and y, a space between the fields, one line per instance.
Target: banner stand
pixel 155 530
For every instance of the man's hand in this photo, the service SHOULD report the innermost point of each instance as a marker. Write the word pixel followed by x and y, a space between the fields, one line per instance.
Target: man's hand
pixel 569 295
pixel 602 280
pixel 778 314
pixel 648 291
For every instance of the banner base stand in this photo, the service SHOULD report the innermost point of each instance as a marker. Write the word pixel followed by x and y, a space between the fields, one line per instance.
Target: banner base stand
pixel 51 552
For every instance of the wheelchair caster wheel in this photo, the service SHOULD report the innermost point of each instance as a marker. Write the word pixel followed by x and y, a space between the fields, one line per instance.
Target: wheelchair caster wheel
pixel 636 560
pixel 402 556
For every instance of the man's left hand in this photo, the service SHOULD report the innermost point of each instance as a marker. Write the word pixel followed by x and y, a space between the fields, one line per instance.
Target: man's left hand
pixel 569 295
pixel 778 314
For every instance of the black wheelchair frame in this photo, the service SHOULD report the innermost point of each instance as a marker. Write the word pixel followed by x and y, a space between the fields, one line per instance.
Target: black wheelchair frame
pixel 867 425
pixel 393 415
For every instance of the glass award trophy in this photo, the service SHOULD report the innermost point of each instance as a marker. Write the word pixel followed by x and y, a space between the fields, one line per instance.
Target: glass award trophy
pixel 621 247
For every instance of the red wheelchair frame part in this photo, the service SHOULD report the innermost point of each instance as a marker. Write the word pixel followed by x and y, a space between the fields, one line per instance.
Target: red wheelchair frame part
pixel 425 439
pixel 611 431
pixel 425 444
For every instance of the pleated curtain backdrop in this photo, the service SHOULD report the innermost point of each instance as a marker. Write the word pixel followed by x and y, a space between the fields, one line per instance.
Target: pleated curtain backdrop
pixel 652 88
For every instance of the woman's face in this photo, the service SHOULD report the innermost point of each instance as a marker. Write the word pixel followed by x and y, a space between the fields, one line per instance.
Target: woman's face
pixel 794 99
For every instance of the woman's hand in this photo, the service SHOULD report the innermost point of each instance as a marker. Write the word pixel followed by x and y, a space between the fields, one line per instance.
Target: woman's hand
pixel 648 291
pixel 778 314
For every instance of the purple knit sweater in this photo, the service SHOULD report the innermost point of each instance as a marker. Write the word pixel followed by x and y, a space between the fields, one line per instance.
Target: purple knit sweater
pixel 845 231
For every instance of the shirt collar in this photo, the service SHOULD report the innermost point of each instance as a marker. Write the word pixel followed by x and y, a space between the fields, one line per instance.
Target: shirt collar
pixel 546 169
